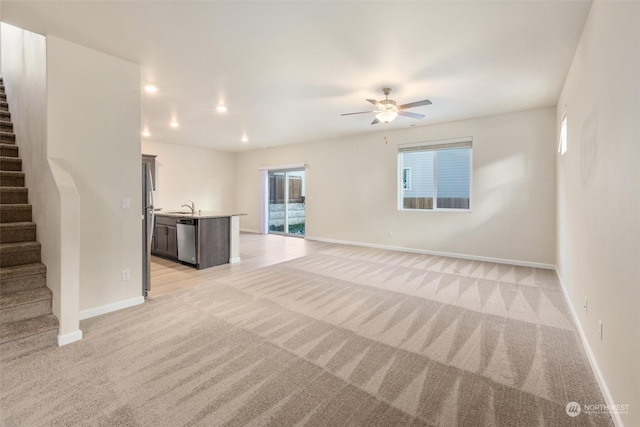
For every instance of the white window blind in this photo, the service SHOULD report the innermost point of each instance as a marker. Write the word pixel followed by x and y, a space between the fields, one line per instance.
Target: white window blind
pixel 440 175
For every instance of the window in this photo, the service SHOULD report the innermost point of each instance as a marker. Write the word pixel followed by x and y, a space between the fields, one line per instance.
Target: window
pixel 563 136
pixel 435 175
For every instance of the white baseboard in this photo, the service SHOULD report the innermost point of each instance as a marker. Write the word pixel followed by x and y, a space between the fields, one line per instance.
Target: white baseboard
pixel 104 309
pixel 69 338
pixel 446 254
pixel 615 416
pixel 250 230
pixel 234 260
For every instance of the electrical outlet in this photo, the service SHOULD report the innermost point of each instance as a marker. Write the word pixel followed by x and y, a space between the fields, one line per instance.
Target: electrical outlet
pixel 126 274
pixel 586 305
pixel 600 328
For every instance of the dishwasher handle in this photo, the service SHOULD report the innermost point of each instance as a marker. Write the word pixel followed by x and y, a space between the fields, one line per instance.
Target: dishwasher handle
pixel 186 221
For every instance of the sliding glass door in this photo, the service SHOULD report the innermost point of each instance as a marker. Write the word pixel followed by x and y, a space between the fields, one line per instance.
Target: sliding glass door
pixel 287 202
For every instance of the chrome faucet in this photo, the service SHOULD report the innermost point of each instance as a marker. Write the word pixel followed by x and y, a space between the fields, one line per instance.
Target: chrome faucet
pixel 192 206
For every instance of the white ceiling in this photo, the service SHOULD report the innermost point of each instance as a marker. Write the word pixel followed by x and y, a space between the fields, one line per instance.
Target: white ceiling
pixel 287 70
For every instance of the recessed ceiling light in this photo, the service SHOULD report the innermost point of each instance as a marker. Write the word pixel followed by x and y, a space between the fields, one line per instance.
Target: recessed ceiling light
pixel 221 109
pixel 244 138
pixel 151 88
pixel 146 133
pixel 174 124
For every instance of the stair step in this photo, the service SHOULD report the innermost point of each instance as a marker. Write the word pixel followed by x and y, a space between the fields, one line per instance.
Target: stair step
pixel 3 97
pixel 10 163
pixel 7 137
pixel 11 179
pixel 22 277
pixel 5 115
pixel 19 212
pixel 20 338
pixel 4 106
pixel 20 253
pixel 16 232
pixel 17 306
pixel 8 150
pixel 14 195
pixel 6 126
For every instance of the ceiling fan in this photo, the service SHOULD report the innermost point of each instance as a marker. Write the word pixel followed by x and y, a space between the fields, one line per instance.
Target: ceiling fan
pixel 387 109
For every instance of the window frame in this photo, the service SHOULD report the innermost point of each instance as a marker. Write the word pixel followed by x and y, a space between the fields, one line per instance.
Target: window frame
pixel 435 146
pixel 563 144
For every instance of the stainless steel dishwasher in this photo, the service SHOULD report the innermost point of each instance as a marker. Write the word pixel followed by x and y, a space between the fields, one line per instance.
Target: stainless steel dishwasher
pixel 187 240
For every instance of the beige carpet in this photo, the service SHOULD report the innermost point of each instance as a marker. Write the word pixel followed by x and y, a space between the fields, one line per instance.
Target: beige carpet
pixel 347 336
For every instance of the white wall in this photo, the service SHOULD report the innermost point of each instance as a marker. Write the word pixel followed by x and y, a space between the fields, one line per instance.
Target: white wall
pixel 93 112
pixel 24 58
pixel 598 213
pixel 351 188
pixel 186 173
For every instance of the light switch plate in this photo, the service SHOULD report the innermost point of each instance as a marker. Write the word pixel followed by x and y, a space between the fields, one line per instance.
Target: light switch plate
pixel 126 203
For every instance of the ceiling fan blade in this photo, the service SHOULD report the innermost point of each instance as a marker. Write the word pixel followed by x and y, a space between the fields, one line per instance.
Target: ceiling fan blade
pixel 409 114
pixel 372 101
pixel 415 104
pixel 375 121
pixel 360 112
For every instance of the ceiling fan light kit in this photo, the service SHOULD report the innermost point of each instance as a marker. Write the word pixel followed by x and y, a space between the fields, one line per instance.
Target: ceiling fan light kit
pixel 387 109
pixel 386 116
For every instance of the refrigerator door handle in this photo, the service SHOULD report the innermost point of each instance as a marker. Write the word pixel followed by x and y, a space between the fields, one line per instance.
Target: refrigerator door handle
pixel 151 208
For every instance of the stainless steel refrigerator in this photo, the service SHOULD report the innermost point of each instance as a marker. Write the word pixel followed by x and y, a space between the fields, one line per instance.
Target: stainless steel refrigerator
pixel 148 222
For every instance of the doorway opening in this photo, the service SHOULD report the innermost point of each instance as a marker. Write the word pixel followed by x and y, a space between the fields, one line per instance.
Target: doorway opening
pixel 286 202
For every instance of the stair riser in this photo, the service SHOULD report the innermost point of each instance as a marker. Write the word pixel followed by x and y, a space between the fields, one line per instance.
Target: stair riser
pixel 30 256
pixel 9 151
pixel 13 197
pixel 23 283
pixel 3 97
pixel 25 311
pixel 9 215
pixel 4 106
pixel 11 165
pixel 18 235
pixel 7 138
pixel 5 115
pixel 11 181
pixel 6 126
pixel 18 348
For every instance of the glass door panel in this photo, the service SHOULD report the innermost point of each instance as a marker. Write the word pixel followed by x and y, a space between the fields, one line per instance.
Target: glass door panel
pixel 295 202
pixel 276 202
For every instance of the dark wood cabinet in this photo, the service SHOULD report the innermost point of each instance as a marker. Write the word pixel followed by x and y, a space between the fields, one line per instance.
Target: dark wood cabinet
pixel 165 238
pixel 213 241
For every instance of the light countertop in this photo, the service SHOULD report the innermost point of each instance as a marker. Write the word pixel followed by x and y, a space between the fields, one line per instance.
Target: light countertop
pixel 198 214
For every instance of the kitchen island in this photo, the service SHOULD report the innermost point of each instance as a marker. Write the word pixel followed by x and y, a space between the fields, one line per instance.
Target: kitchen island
pixel 202 239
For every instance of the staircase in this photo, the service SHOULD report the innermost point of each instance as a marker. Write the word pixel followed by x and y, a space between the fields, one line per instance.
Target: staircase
pixel 26 321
